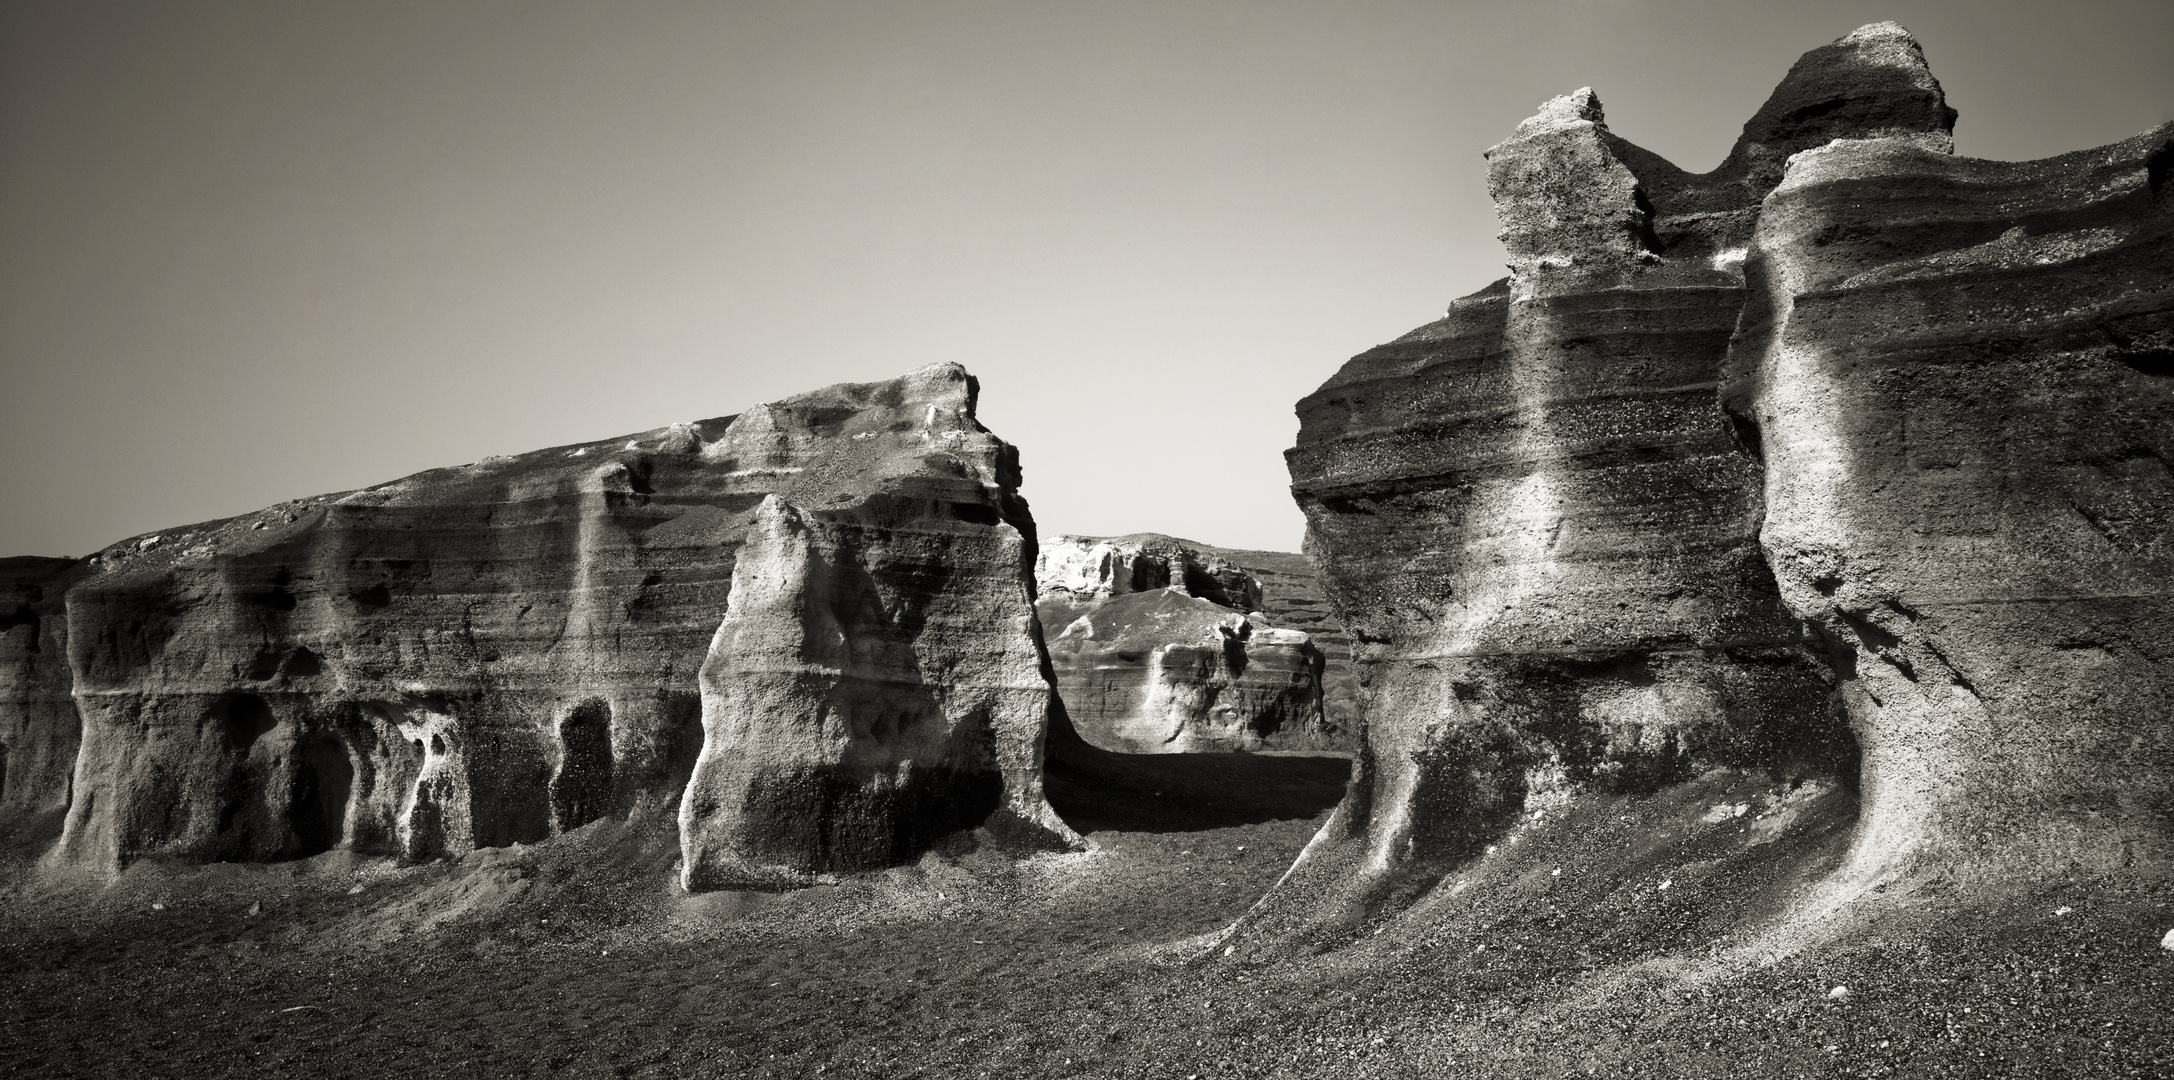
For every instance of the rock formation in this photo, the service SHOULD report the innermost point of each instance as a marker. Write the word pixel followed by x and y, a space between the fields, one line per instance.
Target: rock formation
pixel 1961 376
pixel 39 731
pixel 1088 569
pixel 1546 535
pixel 878 680
pixel 1161 646
pixel 495 653
pixel 1291 597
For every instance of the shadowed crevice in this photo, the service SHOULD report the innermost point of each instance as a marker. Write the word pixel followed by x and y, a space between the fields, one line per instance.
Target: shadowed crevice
pixel 1096 790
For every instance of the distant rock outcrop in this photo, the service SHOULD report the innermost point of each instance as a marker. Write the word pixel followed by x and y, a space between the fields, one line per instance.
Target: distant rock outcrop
pixel 1163 646
pixel 1291 597
pixel 495 653
pixel 1546 534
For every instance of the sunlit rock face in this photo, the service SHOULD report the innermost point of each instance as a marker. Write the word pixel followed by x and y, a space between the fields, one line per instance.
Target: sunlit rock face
pixel 1961 375
pixel 507 650
pixel 1538 523
pixel 877 684
pixel 1292 599
pixel 1163 646
pixel 1085 569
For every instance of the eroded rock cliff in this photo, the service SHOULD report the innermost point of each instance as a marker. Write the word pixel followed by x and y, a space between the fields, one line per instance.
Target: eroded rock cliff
pixel 1536 520
pixel 499 652
pixel 1959 375
pixel 1163 646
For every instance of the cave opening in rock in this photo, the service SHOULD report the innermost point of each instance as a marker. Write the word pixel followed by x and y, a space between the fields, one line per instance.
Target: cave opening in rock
pixel 581 792
pixel 323 780
pixel 243 719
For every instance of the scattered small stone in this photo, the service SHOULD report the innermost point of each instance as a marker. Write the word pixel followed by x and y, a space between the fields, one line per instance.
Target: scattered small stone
pixel 1665 883
pixel 162 907
pixel 2062 910
pixel 255 909
pixel 1839 993
pixel 2167 942
pixel 357 890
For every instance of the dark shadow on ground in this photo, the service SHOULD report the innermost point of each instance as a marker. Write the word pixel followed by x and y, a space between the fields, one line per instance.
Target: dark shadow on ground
pixel 1094 789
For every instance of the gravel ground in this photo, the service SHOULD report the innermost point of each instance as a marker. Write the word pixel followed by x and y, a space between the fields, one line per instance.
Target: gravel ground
pixel 578 958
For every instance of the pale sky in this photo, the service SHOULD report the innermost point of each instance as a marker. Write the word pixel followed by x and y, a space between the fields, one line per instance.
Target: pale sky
pixel 256 251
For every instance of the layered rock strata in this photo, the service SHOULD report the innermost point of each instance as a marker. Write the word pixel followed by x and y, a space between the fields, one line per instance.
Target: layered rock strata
pixel 876 684
pixel 1291 597
pixel 1090 569
pixel 1161 646
pixel 1961 376
pixel 1539 526
pixel 495 653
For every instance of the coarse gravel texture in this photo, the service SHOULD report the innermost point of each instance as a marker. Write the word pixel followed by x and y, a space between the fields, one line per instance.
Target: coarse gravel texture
pixel 579 958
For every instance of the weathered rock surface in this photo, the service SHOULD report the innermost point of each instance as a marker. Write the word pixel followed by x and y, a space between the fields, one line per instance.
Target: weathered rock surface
pixel 1538 523
pixel 39 730
pixel 1961 375
pixel 494 653
pixel 1085 569
pixel 1291 597
pixel 1161 646
pixel 878 680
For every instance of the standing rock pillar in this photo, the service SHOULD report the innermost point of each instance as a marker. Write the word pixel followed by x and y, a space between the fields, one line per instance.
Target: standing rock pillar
pixel 1538 523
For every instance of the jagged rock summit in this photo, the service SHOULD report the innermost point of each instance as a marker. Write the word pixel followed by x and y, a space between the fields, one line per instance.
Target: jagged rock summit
pixel 499 652
pixel 1924 545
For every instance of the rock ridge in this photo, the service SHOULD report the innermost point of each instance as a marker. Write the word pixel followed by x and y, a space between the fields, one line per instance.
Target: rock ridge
pixel 504 651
